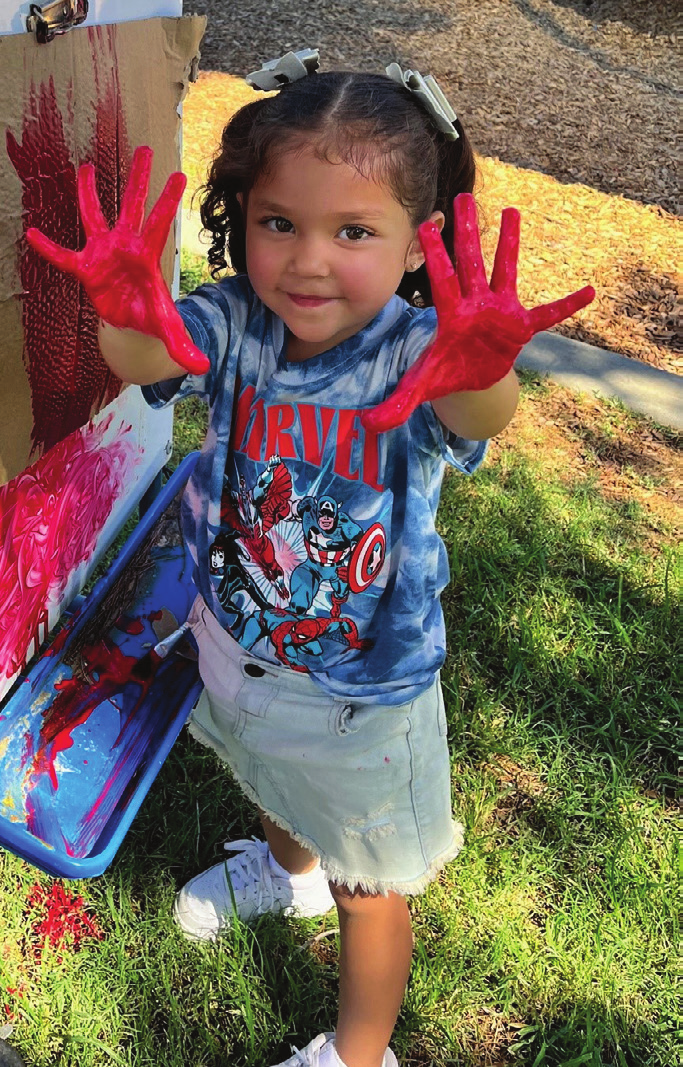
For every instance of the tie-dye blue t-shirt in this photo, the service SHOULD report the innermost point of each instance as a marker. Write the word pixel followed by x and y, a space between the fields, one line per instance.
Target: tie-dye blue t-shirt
pixel 314 540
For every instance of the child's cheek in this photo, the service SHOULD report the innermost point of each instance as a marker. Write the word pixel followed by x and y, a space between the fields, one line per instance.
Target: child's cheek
pixel 360 282
pixel 372 284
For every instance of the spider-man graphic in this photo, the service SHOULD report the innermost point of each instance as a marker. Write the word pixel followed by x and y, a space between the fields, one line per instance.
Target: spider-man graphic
pixel 296 640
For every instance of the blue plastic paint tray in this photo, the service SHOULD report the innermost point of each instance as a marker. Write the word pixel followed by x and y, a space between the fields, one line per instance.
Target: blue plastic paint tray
pixel 84 733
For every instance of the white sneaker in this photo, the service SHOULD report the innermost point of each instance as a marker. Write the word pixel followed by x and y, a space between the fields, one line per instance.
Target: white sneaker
pixel 205 906
pixel 322 1053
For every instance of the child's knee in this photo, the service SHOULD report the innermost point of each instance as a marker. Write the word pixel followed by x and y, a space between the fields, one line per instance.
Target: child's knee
pixel 359 902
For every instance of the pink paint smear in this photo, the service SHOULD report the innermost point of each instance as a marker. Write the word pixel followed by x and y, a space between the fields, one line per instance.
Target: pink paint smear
pixel 50 518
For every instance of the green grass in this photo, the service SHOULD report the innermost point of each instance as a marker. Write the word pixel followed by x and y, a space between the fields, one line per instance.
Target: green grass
pixel 551 941
pixel 194 271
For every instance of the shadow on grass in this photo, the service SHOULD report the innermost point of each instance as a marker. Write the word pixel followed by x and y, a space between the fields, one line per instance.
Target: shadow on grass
pixel 245 999
pixel 617 453
pixel 583 1028
pixel 552 615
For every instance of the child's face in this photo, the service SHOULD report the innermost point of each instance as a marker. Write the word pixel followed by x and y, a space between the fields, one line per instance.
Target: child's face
pixel 326 249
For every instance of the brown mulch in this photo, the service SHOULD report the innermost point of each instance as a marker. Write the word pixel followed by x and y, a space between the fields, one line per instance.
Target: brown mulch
pixel 572 235
pixel 584 90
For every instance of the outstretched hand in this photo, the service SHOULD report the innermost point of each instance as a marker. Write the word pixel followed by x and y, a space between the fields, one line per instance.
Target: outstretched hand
pixel 482 328
pixel 119 268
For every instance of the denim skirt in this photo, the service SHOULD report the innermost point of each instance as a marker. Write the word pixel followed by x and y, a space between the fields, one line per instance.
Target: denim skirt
pixel 365 787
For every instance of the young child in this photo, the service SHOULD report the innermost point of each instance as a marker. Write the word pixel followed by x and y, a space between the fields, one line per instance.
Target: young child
pixel 311 516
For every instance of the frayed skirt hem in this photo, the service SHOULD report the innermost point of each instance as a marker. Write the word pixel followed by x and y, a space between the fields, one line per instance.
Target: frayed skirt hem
pixel 334 872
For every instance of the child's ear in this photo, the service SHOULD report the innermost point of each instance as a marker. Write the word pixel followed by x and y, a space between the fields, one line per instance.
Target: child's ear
pixel 414 256
pixel 240 199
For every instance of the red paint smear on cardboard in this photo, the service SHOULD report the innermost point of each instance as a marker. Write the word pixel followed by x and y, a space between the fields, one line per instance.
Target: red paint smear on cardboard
pixel 69 380
pixel 50 518
pixel 111 152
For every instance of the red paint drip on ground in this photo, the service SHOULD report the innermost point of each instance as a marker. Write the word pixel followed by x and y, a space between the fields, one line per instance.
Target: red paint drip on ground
pixel 69 380
pixel 18 992
pixel 50 519
pixel 60 919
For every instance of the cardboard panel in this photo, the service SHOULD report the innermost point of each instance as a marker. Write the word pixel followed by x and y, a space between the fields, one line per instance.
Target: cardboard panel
pixel 74 461
pixel 91 95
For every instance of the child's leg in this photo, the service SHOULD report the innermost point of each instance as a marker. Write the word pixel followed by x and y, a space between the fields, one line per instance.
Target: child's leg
pixel 288 852
pixel 376 949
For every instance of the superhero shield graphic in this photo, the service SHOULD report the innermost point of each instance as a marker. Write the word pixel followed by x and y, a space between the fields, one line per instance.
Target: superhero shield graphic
pixel 367 558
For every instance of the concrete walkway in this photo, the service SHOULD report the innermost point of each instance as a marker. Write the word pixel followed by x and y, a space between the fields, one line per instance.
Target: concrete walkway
pixel 586 369
pixel 579 366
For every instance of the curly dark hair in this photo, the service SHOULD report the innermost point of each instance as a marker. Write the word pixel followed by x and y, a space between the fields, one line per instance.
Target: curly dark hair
pixel 366 120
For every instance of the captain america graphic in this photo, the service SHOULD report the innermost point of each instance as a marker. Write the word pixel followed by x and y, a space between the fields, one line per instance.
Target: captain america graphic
pixel 330 536
pixel 307 551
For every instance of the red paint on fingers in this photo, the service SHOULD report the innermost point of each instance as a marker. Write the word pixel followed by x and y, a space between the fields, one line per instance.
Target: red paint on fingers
pixel 481 328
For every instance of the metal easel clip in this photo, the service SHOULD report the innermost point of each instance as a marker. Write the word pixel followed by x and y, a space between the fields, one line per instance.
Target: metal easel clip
pixel 47 20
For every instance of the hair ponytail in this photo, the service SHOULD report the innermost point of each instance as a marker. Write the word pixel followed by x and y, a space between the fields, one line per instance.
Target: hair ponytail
pixel 232 172
pixel 456 174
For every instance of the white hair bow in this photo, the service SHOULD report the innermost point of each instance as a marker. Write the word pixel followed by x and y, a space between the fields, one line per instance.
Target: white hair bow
pixel 285 70
pixel 430 96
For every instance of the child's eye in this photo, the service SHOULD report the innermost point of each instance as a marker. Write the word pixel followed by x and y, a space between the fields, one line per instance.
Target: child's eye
pixel 355 233
pixel 277 224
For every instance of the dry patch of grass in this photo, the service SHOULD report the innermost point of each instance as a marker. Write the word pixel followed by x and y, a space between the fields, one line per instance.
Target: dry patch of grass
pixel 573 236
pixel 492 1033
pixel 206 109
pixel 629 458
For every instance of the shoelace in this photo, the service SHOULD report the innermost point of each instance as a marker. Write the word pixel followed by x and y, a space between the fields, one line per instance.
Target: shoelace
pixel 301 1059
pixel 250 867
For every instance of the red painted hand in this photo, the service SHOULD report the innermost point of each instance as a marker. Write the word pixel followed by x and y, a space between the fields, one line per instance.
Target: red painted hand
pixel 481 328
pixel 119 268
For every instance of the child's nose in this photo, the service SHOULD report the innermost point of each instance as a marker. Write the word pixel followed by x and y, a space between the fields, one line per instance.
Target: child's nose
pixel 309 258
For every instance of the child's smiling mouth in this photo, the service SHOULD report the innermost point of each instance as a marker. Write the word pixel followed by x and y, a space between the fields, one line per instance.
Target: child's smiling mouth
pixel 303 301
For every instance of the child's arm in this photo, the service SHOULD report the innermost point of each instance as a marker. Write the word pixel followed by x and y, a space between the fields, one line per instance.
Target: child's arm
pixel 143 338
pixel 467 371
pixel 136 357
pixel 477 415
